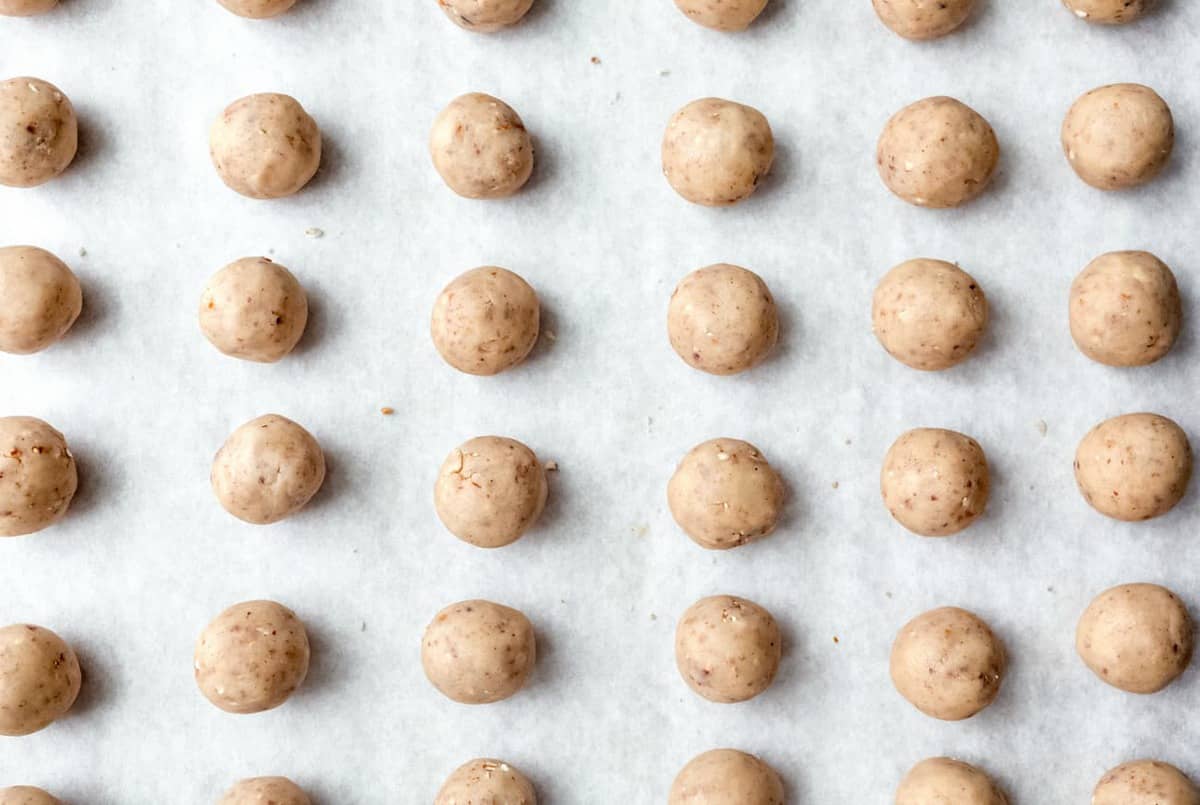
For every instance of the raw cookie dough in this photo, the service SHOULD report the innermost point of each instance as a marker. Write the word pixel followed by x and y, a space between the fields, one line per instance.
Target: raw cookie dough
pixel 942 781
pixel 929 314
pixel 490 490
pixel 25 8
pixel 937 152
pixel 727 649
pixel 722 15
pixel 40 299
pixel 1125 309
pixel 724 494
pixel 1108 12
pixel 38 132
pixel 265 145
pixel 726 777
pixel 268 469
pixel 480 147
pixel 252 657
pixel 254 309
pixel 948 663
pixel 265 791
pixel 483 781
pixel 477 652
pixel 1134 467
pixel 485 321
pixel 722 319
pixel 935 482
pixel 1145 782
pixel 1136 637
pixel 485 16
pixel 258 9
pixel 1118 136
pixel 39 678
pixel 923 19
pixel 37 475
pixel 715 152
pixel 26 795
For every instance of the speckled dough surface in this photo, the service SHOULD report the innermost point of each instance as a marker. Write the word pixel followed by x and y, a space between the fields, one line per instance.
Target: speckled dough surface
pixel 490 490
pixel 485 321
pixel 934 481
pixel 724 494
pixel 38 477
pixel 40 299
pixel 1145 782
pixel 268 469
pixel 39 678
pixel 265 146
pixel 25 8
pixel 38 132
pixel 485 16
pixel 1108 12
pixel 726 777
pixel 26 795
pixel 1118 136
pixel 727 648
pixel 722 15
pixel 258 9
pixel 478 652
pixel 484 781
pixel 252 657
pixel 1125 309
pixel 945 781
pixel 1136 637
pixel 948 663
pixel 923 19
pixel 929 314
pixel 480 147
pixel 1134 466
pixel 254 309
pixel 715 152
pixel 265 791
pixel 722 319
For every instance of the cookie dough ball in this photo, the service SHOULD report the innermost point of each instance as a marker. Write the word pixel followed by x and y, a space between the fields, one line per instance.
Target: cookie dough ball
pixel 477 652
pixel 485 780
pixel 727 649
pixel 1145 782
pixel 948 663
pixel 1125 309
pixel 1136 637
pixel 1108 12
pixel 722 15
pixel 929 314
pixel 26 795
pixel 1134 467
pixel 938 152
pixel 37 475
pixel 1118 136
pixel 254 309
pixel 480 147
pixel 265 791
pixel 268 469
pixel 24 8
pixel 40 299
pixel 39 678
pixel 258 9
pixel 722 319
pixel 923 19
pixel 726 777
pixel 490 490
pixel 265 146
pixel 943 780
pixel 486 321
pixel 935 482
pixel 252 657
pixel 485 16
pixel 715 152
pixel 724 494
pixel 38 132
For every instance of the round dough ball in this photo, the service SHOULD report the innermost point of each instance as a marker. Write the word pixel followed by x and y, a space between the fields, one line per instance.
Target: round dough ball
pixel 727 649
pixel 480 147
pixel 715 152
pixel 265 791
pixel 1118 136
pixel 40 299
pixel 1108 12
pixel 722 15
pixel 923 19
pixel 929 314
pixel 722 319
pixel 939 780
pixel 935 482
pixel 485 780
pixel 258 9
pixel 485 16
pixel 490 490
pixel 1136 637
pixel 1145 782
pixel 726 777
pixel 477 652
pixel 254 309
pixel 26 795
pixel 1125 309
pixel 937 152
pixel 252 657
pixel 37 475
pixel 39 678
pixel 268 469
pixel 724 494
pixel 25 8
pixel 486 321
pixel 38 132
pixel 1134 467
pixel 948 663
pixel 265 146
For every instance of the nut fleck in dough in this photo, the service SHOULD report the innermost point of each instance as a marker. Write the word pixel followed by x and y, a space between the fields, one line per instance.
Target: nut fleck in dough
pixel 948 663
pixel 265 791
pixel 1108 12
pixel 39 678
pixel 265 145
pixel 715 152
pixel 938 152
pixel 37 475
pixel 1145 782
pixel 485 16
pixel 24 8
pixel 477 652
pixel 1125 309
pixel 934 481
pixel 490 490
pixel 258 9
pixel 483 781
pixel 929 314
pixel 485 321
pixel 1134 467
pixel 722 15
pixel 1136 637
pixel 252 657
pixel 26 795
pixel 923 19
pixel 40 299
pixel 38 132
pixel 724 494
pixel 727 649
pixel 268 469
pixel 480 147
pixel 254 309
pixel 1118 136
pixel 726 777
pixel 722 319
pixel 942 781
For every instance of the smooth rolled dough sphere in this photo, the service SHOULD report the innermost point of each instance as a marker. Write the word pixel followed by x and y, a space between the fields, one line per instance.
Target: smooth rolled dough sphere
pixel 724 494
pixel 1145 782
pixel 258 9
pixel 937 152
pixel 40 299
pixel 727 649
pixel 490 490
pixel 485 16
pixel 935 482
pixel 726 777
pixel 477 652
pixel 252 657
pixel 254 309
pixel 39 678
pixel 25 8
pixel 268 469
pixel 26 795
pixel 1134 467
pixel 923 19
pixel 929 314
pixel 1108 12
pixel 943 780
pixel 715 152
pixel 480 147
pixel 38 478
pixel 1136 637
pixel 486 780
pixel 265 791
pixel 265 146
pixel 485 321
pixel 1118 136
pixel 722 15
pixel 38 132
pixel 1125 309
pixel 722 319
pixel 948 663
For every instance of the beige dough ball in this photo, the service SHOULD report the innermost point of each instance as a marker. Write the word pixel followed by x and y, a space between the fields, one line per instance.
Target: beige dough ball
pixel 722 15
pixel 265 146
pixel 1118 136
pixel 1145 782
pixel 727 649
pixel 923 19
pixel 24 8
pixel 477 652
pixel 722 319
pixel 937 152
pixel 480 147
pixel 1125 309
pixel 26 795
pixel 484 781
pixel 1108 12
pixel 490 490
pixel 724 494
pixel 485 321
pixel 726 777
pixel 268 469
pixel 485 16
pixel 935 482
pixel 39 678
pixel 254 309
pixel 38 132
pixel 948 663
pixel 929 314
pixel 37 475
pixel 1136 637
pixel 265 791
pixel 941 781
pixel 40 299
pixel 252 657
pixel 715 152
pixel 258 9
pixel 1134 467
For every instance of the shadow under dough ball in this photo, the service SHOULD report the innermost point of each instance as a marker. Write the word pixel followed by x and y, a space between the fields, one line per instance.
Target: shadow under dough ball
pixel 1118 136
pixel 1136 637
pixel 485 16
pixel 929 314
pixel 1108 12
pixel 938 780
pixel 27 795
pixel 948 663
pixel 480 147
pixel 490 490
pixel 38 477
pixel 40 299
pixel 485 780
pixel 258 9
pixel 716 152
pixel 39 133
pixel 727 649
pixel 722 319
pixel 268 469
pixel 722 15
pixel 25 8
pixel 39 678
pixel 1145 782
pixel 935 482
pixel 724 494
pixel 923 19
pixel 265 791
pixel 1134 467
pixel 1125 309
pixel 485 321
pixel 254 309
pixel 726 777
pixel 265 146
pixel 477 652
pixel 252 657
